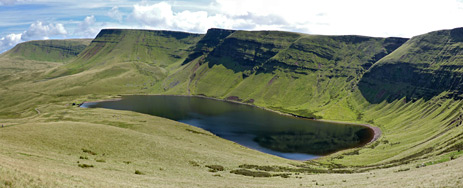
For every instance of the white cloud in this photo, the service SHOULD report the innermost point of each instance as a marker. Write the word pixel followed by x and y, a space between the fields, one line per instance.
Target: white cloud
pixel 39 31
pixel 115 14
pixel 362 17
pixel 88 27
pixel 330 17
pixel 158 15
pixel 9 41
pixel 192 21
pixel 36 31
pixel 161 16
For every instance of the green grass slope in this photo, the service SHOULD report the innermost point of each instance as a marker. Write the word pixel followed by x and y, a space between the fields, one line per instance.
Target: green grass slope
pixel 122 61
pixel 149 50
pixel 424 67
pixel 318 76
pixel 65 146
pixel 254 66
pixel 49 50
pixel 48 142
pixel 413 95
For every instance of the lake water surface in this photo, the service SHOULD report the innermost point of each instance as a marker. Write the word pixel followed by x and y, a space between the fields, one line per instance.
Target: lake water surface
pixel 256 128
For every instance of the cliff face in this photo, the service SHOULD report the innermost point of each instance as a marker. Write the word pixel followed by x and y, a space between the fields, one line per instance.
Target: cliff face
pixel 423 67
pixel 348 78
pixel 228 63
pixel 208 43
pixel 250 50
pixel 292 72
pixel 49 50
pixel 276 69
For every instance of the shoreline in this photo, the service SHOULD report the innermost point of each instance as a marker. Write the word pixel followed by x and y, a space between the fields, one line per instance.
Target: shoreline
pixel 376 130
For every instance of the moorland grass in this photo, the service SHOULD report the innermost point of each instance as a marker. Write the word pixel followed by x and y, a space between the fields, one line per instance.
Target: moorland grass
pixel 40 149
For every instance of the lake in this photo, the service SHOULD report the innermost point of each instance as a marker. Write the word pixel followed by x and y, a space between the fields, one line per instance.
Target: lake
pixel 284 136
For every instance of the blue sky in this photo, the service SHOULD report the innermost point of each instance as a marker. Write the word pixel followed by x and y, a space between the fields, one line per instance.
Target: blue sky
pixel 23 20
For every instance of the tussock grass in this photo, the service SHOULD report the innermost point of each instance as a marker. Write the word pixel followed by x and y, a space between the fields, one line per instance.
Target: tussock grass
pixel 139 172
pixel 85 166
pixel 246 172
pixel 215 168
pixel 88 151
pixel 100 160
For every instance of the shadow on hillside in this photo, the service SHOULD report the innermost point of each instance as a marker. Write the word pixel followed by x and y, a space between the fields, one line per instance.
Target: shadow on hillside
pixel 264 68
pixel 410 82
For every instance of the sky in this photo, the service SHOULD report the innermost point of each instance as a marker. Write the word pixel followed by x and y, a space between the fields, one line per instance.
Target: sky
pixel 24 20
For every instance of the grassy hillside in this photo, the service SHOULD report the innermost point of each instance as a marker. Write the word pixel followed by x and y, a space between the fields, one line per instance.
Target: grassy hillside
pixel 424 67
pixel 253 67
pixel 317 76
pixel 413 96
pixel 49 50
pixel 122 61
pixel 152 52
pixel 48 142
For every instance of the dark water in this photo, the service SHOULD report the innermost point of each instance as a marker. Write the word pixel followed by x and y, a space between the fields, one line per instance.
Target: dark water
pixel 269 132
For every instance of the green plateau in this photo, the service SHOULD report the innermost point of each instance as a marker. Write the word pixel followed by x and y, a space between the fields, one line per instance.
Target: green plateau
pixel 411 89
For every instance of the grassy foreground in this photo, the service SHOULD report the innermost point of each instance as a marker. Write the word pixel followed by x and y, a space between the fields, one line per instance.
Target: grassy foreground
pixel 48 142
pixel 121 149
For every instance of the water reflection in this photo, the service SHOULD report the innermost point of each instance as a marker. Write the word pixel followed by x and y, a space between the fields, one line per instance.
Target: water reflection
pixel 269 132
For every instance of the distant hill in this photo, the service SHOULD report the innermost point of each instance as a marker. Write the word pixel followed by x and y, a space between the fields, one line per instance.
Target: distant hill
pixel 49 50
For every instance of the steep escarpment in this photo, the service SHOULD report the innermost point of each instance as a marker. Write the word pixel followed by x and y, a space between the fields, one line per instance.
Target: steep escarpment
pixel 424 67
pixel 247 51
pixel 414 96
pixel 212 38
pixel 254 66
pixel 347 78
pixel 49 50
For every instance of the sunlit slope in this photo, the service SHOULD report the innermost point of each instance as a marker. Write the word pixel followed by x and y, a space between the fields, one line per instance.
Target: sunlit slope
pixel 122 61
pixel 424 67
pixel 290 72
pixel 52 149
pixel 45 137
pixel 414 96
pixel 48 50
pixel 146 50
pixel 318 76
pixel 26 64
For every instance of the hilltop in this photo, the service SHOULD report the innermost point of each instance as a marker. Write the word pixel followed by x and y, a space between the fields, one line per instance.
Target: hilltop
pixel 49 50
pixel 409 88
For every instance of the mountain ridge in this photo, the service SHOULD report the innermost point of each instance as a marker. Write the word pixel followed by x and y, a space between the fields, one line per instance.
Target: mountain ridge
pixel 408 88
pixel 49 50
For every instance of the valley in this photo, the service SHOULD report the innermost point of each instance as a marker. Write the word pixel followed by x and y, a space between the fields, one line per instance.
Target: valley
pixel 408 88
